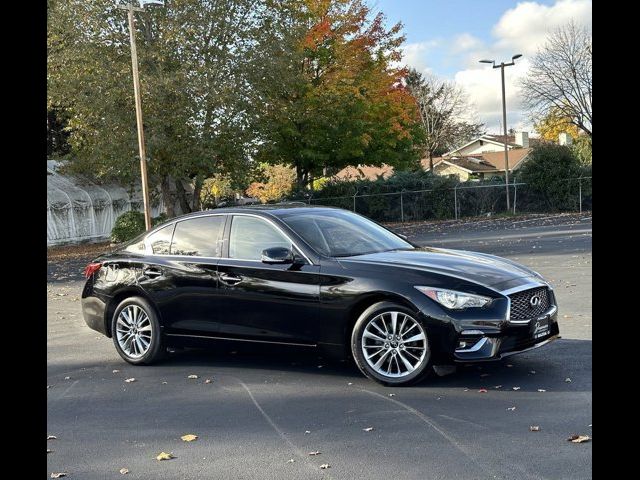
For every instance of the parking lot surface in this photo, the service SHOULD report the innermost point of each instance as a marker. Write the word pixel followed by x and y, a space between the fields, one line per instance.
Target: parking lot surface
pixel 266 409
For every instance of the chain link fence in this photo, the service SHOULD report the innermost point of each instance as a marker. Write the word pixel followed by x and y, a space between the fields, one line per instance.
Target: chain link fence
pixel 464 200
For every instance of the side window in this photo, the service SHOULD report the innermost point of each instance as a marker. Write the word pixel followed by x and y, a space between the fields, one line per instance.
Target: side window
pixel 160 241
pixel 198 237
pixel 250 235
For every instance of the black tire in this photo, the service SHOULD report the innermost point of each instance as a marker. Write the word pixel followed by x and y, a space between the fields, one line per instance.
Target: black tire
pixel 357 349
pixel 155 350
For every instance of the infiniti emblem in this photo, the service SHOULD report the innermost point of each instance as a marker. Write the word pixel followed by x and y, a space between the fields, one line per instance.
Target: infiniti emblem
pixel 535 301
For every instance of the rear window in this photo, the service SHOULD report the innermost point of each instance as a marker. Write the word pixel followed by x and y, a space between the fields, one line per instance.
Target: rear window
pixel 160 240
pixel 198 237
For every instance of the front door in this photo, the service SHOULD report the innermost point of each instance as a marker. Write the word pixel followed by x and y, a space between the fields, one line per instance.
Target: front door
pixel 260 301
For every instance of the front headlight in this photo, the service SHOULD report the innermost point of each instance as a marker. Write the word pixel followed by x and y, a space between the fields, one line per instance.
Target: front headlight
pixel 454 300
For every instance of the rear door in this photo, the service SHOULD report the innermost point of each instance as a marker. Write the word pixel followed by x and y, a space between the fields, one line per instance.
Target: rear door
pixel 273 303
pixel 182 278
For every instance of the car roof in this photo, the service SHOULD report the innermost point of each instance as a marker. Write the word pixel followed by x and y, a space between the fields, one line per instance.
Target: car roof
pixel 267 210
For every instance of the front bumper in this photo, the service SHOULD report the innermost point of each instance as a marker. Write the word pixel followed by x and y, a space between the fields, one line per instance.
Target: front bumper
pixel 511 339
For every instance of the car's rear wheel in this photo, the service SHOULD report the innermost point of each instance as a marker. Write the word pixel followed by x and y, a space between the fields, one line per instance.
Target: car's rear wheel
pixel 390 345
pixel 136 331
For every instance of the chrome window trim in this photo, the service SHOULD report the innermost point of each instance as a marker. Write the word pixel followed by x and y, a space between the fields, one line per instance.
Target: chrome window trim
pixel 149 251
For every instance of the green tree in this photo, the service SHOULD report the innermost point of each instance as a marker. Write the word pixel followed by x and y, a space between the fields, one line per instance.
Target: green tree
pixel 333 97
pixel 194 57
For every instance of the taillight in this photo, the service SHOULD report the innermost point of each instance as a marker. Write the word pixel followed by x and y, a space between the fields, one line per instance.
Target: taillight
pixel 91 269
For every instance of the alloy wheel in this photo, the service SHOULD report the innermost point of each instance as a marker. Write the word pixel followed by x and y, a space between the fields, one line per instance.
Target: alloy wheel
pixel 134 331
pixel 394 344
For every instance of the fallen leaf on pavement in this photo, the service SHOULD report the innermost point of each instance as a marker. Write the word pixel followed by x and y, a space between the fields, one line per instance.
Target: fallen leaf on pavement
pixel 511 408
pixel 190 437
pixel 516 388
pixel 165 456
pixel 368 429
pixel 124 471
pixel 58 475
pixel 129 380
pixel 579 438
pixel 315 452
pixel 324 466
pixel 51 437
pixel 192 377
pixel 482 390
pixel 534 428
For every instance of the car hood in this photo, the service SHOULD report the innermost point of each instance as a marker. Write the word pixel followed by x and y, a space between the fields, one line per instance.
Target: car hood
pixel 481 268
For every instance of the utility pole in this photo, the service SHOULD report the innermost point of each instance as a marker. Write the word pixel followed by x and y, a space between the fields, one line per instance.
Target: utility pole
pixel 504 119
pixel 136 90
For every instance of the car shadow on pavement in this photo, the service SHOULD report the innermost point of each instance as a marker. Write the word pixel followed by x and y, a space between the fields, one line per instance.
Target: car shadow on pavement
pixel 551 368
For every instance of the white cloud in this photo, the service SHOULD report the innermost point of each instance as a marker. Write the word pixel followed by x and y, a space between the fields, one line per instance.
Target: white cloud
pixel 415 54
pixel 483 87
pixel 522 29
pixel 465 42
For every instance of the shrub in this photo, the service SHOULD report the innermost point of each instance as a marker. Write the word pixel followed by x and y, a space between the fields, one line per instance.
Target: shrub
pixel 131 224
pixel 551 173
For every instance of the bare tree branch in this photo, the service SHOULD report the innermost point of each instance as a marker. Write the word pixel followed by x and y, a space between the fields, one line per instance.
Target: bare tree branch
pixel 560 77
pixel 443 107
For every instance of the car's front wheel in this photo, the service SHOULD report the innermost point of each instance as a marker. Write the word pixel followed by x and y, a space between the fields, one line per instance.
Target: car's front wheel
pixel 390 345
pixel 136 331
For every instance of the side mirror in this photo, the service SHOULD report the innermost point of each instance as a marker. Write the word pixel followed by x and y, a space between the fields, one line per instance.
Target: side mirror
pixel 277 255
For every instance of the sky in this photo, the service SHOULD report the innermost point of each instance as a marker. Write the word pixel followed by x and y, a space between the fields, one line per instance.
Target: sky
pixel 446 38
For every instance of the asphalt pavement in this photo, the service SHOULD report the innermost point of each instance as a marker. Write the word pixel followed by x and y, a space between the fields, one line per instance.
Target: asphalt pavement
pixel 266 409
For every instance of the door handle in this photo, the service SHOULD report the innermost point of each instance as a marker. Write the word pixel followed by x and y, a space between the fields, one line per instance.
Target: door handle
pixel 229 279
pixel 151 272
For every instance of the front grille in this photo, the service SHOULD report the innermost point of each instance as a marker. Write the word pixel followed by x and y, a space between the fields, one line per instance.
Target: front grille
pixel 522 307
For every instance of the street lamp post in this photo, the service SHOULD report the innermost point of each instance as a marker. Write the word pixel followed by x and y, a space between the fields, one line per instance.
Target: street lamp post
pixel 138 100
pixel 504 119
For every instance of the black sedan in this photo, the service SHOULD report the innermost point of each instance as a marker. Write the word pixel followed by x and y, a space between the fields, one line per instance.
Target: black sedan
pixel 315 277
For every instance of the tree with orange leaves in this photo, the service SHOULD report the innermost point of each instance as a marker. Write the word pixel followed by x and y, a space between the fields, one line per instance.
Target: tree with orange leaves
pixel 335 95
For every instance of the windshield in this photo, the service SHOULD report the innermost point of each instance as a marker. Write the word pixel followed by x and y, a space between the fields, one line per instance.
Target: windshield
pixel 338 233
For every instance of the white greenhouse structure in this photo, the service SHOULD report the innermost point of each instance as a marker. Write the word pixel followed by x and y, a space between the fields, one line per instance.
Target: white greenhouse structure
pixel 79 210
